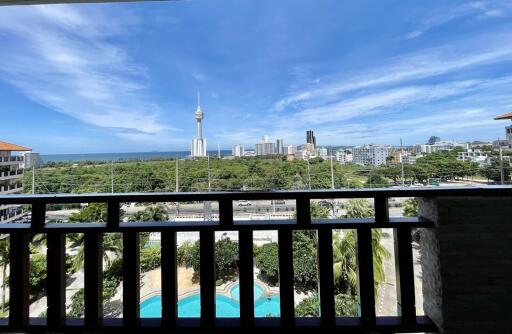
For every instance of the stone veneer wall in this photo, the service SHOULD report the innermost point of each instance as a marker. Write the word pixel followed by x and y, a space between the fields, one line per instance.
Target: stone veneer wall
pixel 467 263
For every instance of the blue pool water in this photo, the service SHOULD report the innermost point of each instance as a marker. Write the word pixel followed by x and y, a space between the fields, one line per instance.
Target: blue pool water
pixel 190 307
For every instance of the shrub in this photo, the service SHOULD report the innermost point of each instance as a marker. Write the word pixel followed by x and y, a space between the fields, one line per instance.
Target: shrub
pixel 149 259
pixel 267 261
pixel 345 305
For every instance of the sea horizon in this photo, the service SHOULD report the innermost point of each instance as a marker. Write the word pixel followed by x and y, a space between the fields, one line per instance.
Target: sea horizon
pixel 78 157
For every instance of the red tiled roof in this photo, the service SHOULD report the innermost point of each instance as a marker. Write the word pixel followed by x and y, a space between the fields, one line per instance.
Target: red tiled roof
pixel 5 146
pixel 504 116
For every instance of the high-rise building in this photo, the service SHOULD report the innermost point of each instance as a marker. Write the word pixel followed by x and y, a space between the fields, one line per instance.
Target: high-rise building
pixel 374 155
pixel 265 147
pixel 310 138
pixel 238 150
pixel 11 176
pixel 290 149
pixel 433 139
pixel 199 143
pixel 279 146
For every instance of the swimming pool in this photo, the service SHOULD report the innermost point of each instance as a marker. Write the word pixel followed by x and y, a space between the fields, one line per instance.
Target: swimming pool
pixel 226 307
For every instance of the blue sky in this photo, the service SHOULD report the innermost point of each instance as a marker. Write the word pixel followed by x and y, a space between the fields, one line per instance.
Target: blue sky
pixel 123 77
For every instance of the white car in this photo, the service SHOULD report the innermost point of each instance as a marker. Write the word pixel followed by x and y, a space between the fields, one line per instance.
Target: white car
pixel 244 202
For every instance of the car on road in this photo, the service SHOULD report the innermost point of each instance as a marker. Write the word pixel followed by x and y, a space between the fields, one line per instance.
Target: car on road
pixel 278 202
pixel 244 202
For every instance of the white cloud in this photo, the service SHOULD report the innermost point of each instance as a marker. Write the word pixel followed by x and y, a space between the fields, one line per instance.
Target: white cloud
pixel 445 15
pixel 64 58
pixel 420 65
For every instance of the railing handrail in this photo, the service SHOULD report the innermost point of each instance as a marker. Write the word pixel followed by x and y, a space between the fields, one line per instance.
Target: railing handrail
pixel 258 195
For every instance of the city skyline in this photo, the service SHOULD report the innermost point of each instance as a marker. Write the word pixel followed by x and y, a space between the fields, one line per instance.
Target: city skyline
pixel 121 77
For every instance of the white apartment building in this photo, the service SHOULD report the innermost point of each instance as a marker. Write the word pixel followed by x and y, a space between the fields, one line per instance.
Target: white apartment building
pixel 410 158
pixel 31 159
pixel 474 155
pixel 373 155
pixel 11 174
pixel 443 145
pixel 290 149
pixel 265 147
pixel 238 150
pixel 322 153
pixel 304 155
pixel 343 157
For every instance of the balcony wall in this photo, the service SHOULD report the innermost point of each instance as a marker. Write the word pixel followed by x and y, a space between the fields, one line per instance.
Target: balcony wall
pixel 467 263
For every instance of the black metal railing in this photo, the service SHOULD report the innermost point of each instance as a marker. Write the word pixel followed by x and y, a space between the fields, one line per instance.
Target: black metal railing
pixel 367 321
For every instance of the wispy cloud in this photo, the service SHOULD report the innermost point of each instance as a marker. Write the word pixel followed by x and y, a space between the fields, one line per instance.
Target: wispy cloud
pixel 65 58
pixel 420 65
pixel 443 16
pixel 407 95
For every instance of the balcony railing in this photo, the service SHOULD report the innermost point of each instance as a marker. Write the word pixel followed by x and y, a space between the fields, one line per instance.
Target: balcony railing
pixel 367 321
pixel 11 159
pixel 11 174
pixel 13 188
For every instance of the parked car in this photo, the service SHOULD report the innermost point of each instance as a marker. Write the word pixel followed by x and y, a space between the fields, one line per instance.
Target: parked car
pixel 244 202
pixel 278 201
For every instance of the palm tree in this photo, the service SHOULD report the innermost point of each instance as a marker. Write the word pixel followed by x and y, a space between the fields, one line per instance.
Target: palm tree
pixel 151 213
pixel 112 244
pixel 345 267
pixel 345 254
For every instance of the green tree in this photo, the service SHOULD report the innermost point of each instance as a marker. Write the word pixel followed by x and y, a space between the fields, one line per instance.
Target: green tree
pixel 149 259
pixel 344 305
pixel 266 259
pixel 151 213
pixel 345 249
pixel 94 212
pixel 411 207
pixel 226 259
pixel 112 247
pixel 493 171
pixel 318 211
pixel 305 262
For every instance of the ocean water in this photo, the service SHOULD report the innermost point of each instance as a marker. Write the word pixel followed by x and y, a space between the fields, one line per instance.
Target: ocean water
pixel 121 156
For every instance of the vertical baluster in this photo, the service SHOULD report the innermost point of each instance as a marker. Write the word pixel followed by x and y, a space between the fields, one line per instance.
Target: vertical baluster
pixel 365 274
pixel 131 279
pixel 325 265
pixel 405 275
pixel 303 211
pixel 169 278
pixel 113 214
pixel 18 279
pixel 286 277
pixel 246 259
pixel 93 278
pixel 226 212
pixel 207 277
pixel 56 278
pixel 381 210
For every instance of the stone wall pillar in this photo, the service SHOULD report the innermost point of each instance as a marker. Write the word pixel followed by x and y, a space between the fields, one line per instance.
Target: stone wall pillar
pixel 467 263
